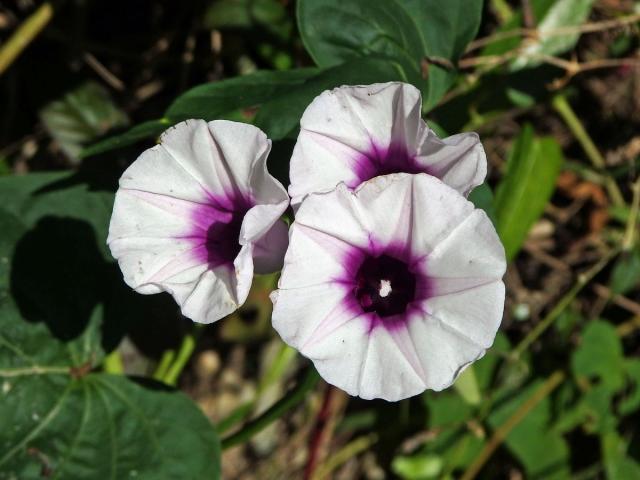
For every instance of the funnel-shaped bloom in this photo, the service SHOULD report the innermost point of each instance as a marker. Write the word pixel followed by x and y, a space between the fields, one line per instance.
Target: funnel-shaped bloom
pixel 393 288
pixel 195 213
pixel 353 134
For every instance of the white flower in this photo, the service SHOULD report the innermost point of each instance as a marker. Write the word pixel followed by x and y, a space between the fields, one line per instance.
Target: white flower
pixel 195 213
pixel 393 288
pixel 353 134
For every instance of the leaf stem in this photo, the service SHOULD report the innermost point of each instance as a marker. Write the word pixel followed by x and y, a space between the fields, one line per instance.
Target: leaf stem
pixel 24 35
pixel 276 370
pixel 288 401
pixel 503 431
pixel 562 106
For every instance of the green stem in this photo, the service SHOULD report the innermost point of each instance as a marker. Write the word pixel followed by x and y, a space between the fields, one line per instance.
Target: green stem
pixel 113 363
pixel 503 10
pixel 343 455
pixel 290 399
pixel 185 351
pixel 562 106
pixel 163 365
pixel 276 370
pixel 632 223
pixel 24 35
pixel 564 302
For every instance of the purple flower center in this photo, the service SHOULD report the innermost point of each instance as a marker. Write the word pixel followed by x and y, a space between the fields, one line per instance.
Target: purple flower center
pixel 384 161
pixel 385 285
pixel 222 240
pixel 216 228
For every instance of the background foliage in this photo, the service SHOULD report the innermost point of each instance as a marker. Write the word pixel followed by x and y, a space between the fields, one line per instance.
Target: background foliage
pixel 98 382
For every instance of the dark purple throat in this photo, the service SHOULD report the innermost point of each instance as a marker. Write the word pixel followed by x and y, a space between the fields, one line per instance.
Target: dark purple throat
pixel 222 240
pixel 384 161
pixel 216 228
pixel 385 286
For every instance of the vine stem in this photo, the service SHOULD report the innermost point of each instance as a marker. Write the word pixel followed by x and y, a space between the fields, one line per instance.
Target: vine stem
pixel 24 35
pixel 503 431
pixel 288 401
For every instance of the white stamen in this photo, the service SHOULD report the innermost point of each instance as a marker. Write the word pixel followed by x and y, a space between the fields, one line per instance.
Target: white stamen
pixel 385 288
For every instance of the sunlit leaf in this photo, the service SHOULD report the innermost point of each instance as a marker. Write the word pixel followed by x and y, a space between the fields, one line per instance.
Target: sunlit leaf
pixel 529 180
pixel 417 467
pixel 618 464
pixel 467 386
pixel 561 14
pixel 599 355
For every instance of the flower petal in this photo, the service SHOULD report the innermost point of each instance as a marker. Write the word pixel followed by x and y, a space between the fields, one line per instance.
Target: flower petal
pixel 354 133
pixel 189 211
pixel 390 289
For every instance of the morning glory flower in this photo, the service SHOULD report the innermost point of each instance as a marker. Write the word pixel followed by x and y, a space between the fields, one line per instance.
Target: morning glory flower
pixel 354 133
pixel 392 288
pixel 196 213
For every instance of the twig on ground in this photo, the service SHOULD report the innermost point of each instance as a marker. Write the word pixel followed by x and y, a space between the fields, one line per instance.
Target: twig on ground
pixel 555 32
pixel 103 72
pixel 24 35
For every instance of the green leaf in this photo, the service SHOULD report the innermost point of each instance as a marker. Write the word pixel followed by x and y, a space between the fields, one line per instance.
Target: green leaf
pixel 456 444
pixel 542 452
pixel 60 422
pixel 152 128
pixel 280 117
pixel 417 467
pixel 532 168
pixel 625 275
pixel 631 402
pixel 244 14
pixel 561 14
pixel 281 98
pixel 213 100
pixel 54 261
pixel 36 195
pixel 618 464
pixel 600 356
pixel 467 386
pixel 80 117
pixel 405 31
pixel 482 197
